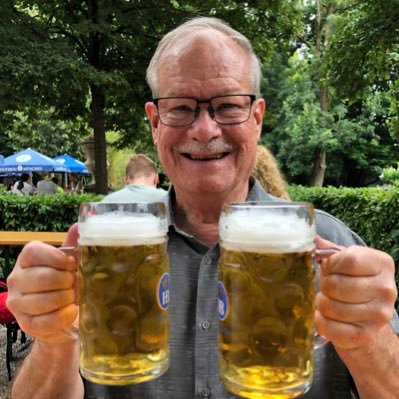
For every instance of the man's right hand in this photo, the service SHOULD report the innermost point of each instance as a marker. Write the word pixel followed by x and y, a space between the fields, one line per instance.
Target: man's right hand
pixel 42 290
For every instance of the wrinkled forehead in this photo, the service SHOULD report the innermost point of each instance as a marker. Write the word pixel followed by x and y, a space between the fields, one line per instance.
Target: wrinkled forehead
pixel 201 56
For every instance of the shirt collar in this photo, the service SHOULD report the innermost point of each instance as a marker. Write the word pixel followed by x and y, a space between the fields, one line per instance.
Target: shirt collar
pixel 256 193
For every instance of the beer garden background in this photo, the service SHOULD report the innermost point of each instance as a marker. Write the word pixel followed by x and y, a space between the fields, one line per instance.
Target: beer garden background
pixel 73 70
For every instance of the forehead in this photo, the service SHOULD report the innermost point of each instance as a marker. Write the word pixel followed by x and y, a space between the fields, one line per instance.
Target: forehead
pixel 203 64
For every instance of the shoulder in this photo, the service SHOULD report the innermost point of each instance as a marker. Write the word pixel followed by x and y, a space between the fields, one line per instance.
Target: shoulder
pixel 333 229
pixel 115 196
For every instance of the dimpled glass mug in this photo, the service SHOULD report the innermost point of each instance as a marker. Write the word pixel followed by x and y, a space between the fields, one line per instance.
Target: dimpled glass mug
pixel 266 296
pixel 123 292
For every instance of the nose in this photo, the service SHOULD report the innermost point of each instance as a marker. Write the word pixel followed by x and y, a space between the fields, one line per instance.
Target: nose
pixel 205 128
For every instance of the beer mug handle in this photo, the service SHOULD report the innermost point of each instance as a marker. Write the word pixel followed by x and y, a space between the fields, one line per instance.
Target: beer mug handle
pixel 320 254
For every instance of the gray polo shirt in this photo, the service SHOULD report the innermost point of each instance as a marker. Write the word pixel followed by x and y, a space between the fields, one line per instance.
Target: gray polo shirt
pixel 193 372
pixel 137 193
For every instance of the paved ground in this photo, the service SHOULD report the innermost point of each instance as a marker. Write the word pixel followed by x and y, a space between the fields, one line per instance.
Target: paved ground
pixel 19 352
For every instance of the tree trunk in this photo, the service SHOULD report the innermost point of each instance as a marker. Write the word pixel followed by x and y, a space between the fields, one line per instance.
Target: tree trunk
pixel 95 54
pixel 319 163
pixel 322 35
pixel 100 144
pixel 319 168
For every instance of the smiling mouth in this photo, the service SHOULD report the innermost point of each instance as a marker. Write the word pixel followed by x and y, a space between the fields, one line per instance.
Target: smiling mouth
pixel 203 158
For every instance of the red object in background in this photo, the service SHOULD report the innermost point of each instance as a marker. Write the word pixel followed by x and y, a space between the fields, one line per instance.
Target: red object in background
pixel 8 320
pixel 6 317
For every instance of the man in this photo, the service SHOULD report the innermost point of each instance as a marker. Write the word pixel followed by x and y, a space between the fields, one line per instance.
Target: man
pixel 206 118
pixel 141 179
pixel 46 186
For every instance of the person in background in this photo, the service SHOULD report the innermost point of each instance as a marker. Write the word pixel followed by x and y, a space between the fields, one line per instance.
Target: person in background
pixel 46 186
pixel 206 118
pixel 56 181
pixel 75 184
pixel 141 179
pixel 268 173
pixel 24 186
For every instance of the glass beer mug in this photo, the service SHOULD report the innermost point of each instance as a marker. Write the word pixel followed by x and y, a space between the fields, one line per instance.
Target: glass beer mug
pixel 123 292
pixel 266 298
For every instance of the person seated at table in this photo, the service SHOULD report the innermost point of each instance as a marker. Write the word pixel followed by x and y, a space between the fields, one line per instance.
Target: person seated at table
pixel 46 186
pixel 24 186
pixel 75 184
pixel 56 181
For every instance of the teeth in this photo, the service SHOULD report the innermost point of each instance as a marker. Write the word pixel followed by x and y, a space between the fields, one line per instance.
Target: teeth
pixel 199 158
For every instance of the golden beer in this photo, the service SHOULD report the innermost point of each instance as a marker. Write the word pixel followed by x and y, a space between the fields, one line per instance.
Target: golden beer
pixel 123 302
pixel 266 309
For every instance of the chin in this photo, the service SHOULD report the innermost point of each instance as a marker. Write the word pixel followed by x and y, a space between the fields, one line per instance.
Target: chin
pixel 207 186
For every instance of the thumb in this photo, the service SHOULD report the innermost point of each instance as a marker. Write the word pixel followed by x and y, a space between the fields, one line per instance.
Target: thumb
pixel 72 237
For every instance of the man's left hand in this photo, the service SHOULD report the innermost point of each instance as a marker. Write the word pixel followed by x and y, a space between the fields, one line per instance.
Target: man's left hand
pixel 357 295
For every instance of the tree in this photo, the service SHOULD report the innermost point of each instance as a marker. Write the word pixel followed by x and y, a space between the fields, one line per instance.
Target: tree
pixel 88 59
pixel 364 52
pixel 354 137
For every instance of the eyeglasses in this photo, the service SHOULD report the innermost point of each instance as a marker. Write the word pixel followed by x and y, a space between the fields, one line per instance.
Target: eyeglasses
pixel 183 111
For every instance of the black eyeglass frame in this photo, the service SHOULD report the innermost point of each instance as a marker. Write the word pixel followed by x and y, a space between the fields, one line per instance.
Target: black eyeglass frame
pixel 210 110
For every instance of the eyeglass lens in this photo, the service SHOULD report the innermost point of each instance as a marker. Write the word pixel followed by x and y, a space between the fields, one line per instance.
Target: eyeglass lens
pixel 228 110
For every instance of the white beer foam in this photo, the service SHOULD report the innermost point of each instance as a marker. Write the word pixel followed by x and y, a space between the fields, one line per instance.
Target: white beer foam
pixel 122 229
pixel 249 230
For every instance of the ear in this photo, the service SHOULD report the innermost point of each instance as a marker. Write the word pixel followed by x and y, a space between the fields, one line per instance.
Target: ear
pixel 153 117
pixel 156 179
pixel 259 111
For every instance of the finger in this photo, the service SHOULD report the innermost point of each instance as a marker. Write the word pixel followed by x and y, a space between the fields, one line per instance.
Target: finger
pixel 356 261
pixel 46 302
pixel 37 253
pixel 41 279
pixel 322 243
pixel 372 312
pixel 48 324
pixel 344 335
pixel 348 289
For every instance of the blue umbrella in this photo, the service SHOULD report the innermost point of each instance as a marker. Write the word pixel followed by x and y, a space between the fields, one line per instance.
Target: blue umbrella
pixel 28 161
pixel 72 164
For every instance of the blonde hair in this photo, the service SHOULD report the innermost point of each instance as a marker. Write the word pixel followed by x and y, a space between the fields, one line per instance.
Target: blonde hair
pixel 140 165
pixel 200 24
pixel 268 173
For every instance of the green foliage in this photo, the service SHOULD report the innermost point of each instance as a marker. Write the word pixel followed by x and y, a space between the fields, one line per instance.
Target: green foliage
pixel 364 52
pixel 87 60
pixel 373 213
pixel 391 176
pixel 39 213
pixel 355 137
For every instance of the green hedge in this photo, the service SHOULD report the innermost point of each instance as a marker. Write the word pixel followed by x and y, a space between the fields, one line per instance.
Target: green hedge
pixel 38 213
pixel 373 213
pixel 41 213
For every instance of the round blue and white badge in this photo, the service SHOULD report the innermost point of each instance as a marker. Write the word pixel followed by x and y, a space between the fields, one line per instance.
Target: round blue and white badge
pixel 163 291
pixel 222 301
